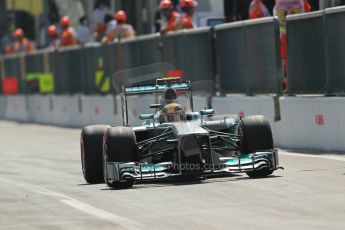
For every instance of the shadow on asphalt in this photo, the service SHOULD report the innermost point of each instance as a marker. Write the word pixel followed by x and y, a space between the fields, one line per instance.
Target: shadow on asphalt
pixel 191 182
pixel 311 170
pixel 86 184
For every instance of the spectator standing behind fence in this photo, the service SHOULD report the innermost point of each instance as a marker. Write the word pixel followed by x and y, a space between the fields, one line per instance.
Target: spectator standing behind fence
pixel 53 36
pixel 83 32
pixel 120 29
pixel 257 9
pixel 186 20
pixel 169 17
pixel 307 7
pixel 21 44
pixel 283 8
pixel 68 35
pixel 101 8
pixel 6 38
pixel 104 28
pixel 105 34
pixel 110 22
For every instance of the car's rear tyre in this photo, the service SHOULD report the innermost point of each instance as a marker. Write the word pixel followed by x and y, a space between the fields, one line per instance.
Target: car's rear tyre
pixel 91 143
pixel 120 146
pixel 255 135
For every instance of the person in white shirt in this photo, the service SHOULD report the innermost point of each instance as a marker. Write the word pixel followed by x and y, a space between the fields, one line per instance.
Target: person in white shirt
pixel 83 32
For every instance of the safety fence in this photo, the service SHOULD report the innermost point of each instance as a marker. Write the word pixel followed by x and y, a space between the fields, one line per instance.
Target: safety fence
pixel 316 52
pixel 241 57
pixel 89 69
pixel 249 57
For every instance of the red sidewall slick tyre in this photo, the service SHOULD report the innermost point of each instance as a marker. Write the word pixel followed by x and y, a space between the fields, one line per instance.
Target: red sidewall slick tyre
pixel 91 143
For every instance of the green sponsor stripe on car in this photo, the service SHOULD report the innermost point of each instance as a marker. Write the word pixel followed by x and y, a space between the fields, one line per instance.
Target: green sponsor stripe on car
pixel 247 158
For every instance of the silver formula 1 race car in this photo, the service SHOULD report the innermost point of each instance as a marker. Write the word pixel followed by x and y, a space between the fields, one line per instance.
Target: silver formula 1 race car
pixel 174 141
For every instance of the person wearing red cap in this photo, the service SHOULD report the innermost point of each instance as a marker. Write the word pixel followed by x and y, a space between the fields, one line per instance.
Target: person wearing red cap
pixel 187 7
pixel 121 29
pixel 53 36
pixel 68 35
pixel 169 17
pixel 307 7
pixel 22 44
pixel 9 49
pixel 257 9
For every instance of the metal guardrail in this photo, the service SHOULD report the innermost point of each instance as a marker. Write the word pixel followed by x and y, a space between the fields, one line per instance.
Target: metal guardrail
pixel 334 35
pixel 316 51
pixel 306 73
pixel 75 68
pixel 249 57
pixel 190 51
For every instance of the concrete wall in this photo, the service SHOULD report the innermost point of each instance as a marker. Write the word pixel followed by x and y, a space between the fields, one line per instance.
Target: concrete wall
pixel 2 107
pixel 306 122
pixel 316 123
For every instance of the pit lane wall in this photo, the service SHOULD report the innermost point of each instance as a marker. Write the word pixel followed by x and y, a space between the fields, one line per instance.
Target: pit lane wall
pixel 305 122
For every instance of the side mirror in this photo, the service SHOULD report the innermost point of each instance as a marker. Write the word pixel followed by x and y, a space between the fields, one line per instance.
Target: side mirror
pixel 148 116
pixel 206 112
pixel 155 106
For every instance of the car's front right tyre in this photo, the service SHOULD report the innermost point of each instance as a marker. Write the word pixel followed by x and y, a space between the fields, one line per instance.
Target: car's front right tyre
pixel 119 146
pixel 91 142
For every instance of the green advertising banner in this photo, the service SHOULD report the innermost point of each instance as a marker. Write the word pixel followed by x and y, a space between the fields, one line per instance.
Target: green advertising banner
pixel 40 82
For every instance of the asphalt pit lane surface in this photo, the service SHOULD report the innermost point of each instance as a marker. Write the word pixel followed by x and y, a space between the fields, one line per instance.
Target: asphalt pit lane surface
pixel 312 170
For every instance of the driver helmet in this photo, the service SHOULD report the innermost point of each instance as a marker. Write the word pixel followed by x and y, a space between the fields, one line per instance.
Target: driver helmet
pixel 171 111
pixel 169 95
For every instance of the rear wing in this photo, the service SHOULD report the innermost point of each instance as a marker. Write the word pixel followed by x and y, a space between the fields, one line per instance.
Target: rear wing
pixel 159 87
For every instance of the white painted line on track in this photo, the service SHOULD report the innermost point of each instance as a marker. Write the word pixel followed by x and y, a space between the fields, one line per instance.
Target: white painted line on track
pixel 307 155
pixel 118 221
pixel 101 214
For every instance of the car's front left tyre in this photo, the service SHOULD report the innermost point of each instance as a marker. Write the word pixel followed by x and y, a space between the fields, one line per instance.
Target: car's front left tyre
pixel 255 135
